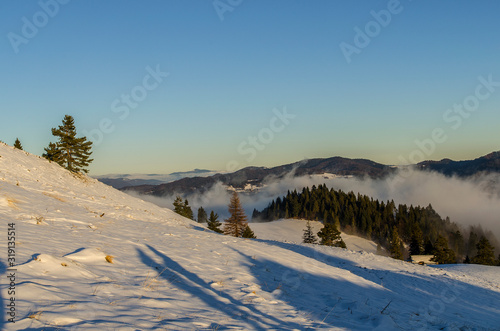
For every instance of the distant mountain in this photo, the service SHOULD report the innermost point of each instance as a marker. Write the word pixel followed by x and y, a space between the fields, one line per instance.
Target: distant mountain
pixel 119 181
pixel 251 178
pixel 485 164
pixel 255 176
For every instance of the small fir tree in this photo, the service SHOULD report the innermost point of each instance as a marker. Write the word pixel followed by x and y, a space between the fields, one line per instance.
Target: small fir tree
pixel 202 215
pixel 395 248
pixel 330 236
pixel 309 237
pixel 442 253
pixel 213 224
pixel 237 222
pixel 248 233
pixel 485 253
pixel 416 242
pixel 182 207
pixel 17 144
pixel 178 205
pixel 69 151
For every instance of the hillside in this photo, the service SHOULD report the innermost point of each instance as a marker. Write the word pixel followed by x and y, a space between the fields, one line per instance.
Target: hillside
pixel 168 272
pixel 291 230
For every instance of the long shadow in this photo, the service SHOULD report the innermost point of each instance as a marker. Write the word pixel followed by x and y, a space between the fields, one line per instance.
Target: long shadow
pixel 326 301
pixel 191 283
pixel 433 297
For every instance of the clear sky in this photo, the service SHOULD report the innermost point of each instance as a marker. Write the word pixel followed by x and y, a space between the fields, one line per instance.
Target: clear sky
pixel 305 79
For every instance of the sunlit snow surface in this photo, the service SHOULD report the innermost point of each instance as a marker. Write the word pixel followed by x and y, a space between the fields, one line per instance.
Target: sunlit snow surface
pixel 170 273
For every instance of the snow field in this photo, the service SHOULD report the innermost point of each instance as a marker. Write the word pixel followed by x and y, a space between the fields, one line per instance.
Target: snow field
pixel 167 272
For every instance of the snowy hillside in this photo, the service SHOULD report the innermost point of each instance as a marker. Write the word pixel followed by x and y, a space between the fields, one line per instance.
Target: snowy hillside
pixel 93 258
pixel 291 230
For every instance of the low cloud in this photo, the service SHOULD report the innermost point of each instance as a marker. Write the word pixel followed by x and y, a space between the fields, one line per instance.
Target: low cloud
pixel 466 201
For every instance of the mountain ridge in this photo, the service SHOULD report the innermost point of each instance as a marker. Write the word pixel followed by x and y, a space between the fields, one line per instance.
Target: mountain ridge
pixel 336 165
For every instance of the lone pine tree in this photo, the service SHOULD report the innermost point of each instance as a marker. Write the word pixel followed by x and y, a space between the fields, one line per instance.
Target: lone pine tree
pixel 17 144
pixel 213 224
pixel 485 253
pixel 395 248
pixel 308 237
pixel 330 236
pixel 69 151
pixel 442 253
pixel 237 222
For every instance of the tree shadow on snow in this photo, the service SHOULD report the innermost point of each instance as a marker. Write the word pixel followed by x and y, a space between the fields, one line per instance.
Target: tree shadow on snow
pixel 417 300
pixel 217 300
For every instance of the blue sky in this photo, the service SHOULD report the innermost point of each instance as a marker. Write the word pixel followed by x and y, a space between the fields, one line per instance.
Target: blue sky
pixel 233 65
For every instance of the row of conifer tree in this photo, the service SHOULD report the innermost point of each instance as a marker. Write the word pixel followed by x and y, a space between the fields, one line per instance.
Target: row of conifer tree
pixel 403 230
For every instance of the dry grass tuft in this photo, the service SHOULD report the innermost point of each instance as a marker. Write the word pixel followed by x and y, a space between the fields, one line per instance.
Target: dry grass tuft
pixel 109 258
pixel 35 316
pixel 12 203
pixel 55 196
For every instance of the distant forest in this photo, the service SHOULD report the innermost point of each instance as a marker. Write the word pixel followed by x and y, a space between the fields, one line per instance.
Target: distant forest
pixel 418 227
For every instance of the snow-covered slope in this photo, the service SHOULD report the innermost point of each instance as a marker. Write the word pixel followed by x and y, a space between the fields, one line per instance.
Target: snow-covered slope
pixel 291 230
pixel 169 273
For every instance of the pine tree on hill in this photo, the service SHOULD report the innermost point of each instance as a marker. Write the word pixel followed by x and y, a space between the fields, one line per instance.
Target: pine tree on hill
pixel 188 212
pixel 485 253
pixel 416 242
pixel 237 222
pixel 248 233
pixel 17 144
pixel 213 224
pixel 330 236
pixel 182 207
pixel 70 152
pixel 202 215
pixel 443 254
pixel 395 248
pixel 309 237
pixel 52 153
pixel 178 205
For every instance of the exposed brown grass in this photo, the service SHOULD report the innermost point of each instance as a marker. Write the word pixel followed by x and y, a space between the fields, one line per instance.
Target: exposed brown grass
pixel 55 196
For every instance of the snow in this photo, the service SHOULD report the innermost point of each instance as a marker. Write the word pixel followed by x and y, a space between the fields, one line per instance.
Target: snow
pixel 291 230
pixel 166 272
